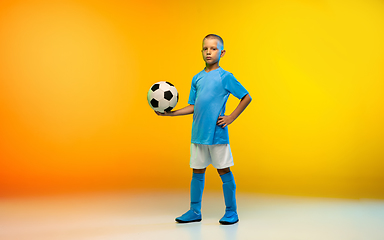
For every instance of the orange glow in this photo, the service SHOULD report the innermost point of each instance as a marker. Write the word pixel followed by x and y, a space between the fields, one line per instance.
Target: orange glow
pixel 74 77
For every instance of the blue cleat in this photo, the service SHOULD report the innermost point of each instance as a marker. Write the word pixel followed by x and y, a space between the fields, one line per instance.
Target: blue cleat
pixel 229 218
pixel 190 216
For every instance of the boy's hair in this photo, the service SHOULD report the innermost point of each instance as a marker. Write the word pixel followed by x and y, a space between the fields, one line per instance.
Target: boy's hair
pixel 216 37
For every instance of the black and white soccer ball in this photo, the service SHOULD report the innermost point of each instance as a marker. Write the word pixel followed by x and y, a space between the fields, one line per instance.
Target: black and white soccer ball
pixel 162 96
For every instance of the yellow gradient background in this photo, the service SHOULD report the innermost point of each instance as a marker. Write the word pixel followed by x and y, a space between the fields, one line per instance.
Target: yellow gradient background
pixel 74 77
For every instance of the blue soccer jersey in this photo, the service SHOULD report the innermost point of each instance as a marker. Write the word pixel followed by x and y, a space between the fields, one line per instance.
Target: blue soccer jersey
pixel 209 93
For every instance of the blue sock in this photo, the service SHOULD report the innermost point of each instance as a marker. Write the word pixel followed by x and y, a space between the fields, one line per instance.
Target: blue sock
pixel 229 190
pixel 197 188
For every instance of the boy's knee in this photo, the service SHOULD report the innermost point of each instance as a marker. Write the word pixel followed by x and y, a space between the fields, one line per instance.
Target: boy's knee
pixel 223 171
pixel 199 170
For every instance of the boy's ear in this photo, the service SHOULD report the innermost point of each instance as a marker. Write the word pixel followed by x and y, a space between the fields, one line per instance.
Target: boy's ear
pixel 222 53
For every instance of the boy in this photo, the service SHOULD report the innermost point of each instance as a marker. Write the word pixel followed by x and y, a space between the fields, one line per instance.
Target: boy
pixel 210 143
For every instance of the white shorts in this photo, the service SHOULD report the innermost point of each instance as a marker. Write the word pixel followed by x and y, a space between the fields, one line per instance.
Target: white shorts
pixel 218 155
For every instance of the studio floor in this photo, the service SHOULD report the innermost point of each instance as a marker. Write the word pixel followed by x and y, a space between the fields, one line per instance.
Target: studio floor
pixel 150 215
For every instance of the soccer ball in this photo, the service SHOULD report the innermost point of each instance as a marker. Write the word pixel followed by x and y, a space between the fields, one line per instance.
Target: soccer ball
pixel 162 96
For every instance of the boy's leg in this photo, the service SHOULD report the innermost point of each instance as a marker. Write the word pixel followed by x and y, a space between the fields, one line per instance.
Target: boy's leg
pixel 229 190
pixel 200 159
pixel 222 159
pixel 197 188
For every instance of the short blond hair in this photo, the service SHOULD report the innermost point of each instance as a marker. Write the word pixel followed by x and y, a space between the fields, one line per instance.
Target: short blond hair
pixel 215 37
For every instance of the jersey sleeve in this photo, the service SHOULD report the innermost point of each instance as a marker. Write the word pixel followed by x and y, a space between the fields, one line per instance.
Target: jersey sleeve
pixel 192 93
pixel 231 84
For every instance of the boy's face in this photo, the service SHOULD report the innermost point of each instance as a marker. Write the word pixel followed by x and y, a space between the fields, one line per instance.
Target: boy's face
pixel 212 51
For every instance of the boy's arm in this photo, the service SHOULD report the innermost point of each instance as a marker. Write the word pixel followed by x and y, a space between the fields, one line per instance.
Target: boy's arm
pixel 226 120
pixel 183 111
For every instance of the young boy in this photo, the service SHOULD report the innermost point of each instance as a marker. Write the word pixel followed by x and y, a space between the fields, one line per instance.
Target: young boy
pixel 210 142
